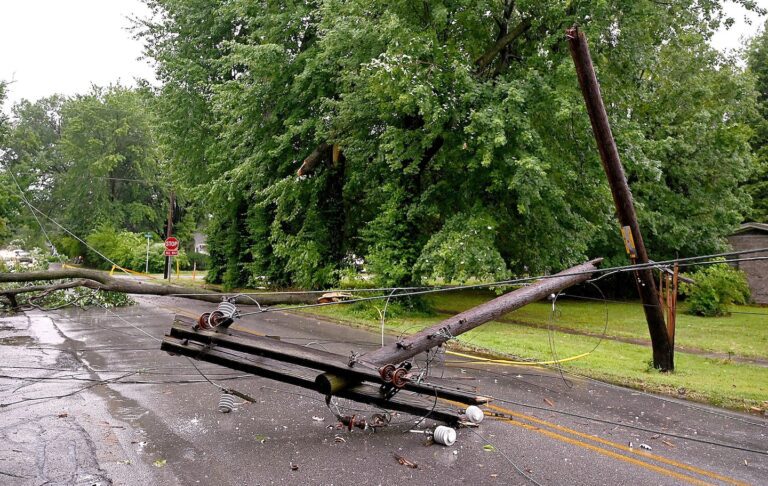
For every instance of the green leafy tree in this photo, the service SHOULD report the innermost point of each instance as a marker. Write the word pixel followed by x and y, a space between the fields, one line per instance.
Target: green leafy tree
pixel 757 60
pixel 32 161
pixel 420 122
pixel 113 172
pixel 6 200
pixel 85 161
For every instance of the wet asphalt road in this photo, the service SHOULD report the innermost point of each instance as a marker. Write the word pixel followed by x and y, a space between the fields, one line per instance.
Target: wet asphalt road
pixel 88 398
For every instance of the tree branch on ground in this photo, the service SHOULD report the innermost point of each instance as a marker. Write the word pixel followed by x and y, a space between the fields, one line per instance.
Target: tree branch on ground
pixel 97 280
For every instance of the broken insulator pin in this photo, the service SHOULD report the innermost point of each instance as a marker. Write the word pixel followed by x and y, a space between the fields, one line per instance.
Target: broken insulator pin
pixel 352 421
pixel 380 420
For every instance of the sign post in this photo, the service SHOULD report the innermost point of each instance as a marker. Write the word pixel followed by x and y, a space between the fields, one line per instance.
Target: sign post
pixel 171 250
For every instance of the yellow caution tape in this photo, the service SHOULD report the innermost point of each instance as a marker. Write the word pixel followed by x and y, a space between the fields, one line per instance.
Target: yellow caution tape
pixel 118 267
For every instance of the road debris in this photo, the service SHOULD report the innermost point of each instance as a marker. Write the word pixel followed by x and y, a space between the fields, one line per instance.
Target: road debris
pixel 666 442
pixel 226 402
pixel 488 448
pixel 334 297
pixel 159 463
pixel 294 467
pixel 474 414
pixel 444 435
pixel 646 447
pixel 318 419
pixel 339 438
pixel 549 402
pixel 405 462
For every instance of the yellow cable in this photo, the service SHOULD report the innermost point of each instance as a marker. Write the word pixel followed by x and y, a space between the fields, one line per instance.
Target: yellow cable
pixel 478 359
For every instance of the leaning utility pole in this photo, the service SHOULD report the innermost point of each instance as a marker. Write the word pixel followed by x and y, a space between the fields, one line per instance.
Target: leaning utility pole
pixel 663 352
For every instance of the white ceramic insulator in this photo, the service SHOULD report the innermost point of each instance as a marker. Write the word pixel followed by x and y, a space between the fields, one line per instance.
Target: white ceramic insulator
pixel 226 403
pixel 444 435
pixel 475 414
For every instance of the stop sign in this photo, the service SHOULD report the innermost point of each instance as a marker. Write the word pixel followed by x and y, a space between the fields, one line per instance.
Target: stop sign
pixel 171 246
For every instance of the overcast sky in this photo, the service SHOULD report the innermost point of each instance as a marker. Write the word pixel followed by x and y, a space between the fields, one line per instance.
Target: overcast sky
pixel 64 46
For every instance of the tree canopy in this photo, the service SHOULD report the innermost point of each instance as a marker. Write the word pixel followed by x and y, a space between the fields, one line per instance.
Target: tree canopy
pixel 445 139
pixel 86 161
pixel 757 61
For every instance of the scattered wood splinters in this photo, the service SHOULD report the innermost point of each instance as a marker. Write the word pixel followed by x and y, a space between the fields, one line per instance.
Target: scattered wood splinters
pixel 549 402
pixel 405 462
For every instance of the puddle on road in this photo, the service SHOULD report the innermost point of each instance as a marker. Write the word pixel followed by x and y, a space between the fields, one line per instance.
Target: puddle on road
pixel 17 341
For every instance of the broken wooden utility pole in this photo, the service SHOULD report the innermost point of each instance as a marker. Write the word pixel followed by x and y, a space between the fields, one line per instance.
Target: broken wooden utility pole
pixel 663 352
pixel 463 322
pixel 373 378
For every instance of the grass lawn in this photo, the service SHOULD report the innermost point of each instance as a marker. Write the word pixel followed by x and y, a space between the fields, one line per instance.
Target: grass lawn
pixel 743 333
pixel 721 382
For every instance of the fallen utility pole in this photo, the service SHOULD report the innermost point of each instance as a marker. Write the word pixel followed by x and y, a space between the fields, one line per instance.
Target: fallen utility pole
pixel 663 352
pixel 269 347
pixel 305 378
pixel 460 323
pixel 373 378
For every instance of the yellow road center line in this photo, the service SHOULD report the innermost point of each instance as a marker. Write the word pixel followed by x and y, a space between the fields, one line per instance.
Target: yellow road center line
pixel 183 312
pixel 606 452
pixel 622 447
pixel 600 450
pixel 246 330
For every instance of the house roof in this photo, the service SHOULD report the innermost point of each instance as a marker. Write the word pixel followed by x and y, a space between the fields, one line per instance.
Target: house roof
pixel 751 227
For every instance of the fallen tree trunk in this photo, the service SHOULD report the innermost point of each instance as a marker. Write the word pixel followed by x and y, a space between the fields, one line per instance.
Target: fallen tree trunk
pixel 460 323
pixel 98 280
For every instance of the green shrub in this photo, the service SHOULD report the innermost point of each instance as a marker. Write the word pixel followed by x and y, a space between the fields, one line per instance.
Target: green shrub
pixel 716 288
pixel 69 246
pixel 127 249
pixel 463 250
pixel 200 259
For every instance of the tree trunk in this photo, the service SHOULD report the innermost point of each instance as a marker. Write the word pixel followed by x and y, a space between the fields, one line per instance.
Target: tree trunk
pixel 99 280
